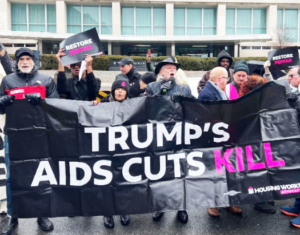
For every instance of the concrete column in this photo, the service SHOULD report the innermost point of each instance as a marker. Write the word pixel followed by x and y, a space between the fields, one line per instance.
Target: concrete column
pixel 169 19
pixel 5 15
pixel 61 17
pixel 221 19
pixel 116 18
pixel 272 21
pixel 109 48
pixel 173 49
pixel 236 50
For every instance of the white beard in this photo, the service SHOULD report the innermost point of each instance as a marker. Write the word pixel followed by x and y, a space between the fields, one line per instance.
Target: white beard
pixel 27 70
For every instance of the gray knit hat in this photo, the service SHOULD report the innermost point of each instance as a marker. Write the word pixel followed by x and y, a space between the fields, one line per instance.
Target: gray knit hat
pixel 241 65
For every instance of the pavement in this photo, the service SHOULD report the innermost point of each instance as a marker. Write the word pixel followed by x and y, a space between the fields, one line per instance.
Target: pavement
pixel 249 223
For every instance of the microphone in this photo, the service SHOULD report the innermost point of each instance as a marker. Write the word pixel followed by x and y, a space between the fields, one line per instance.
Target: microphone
pixel 167 86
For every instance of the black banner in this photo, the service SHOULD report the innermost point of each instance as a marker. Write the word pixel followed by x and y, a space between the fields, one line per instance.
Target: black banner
pixel 152 154
pixel 77 46
pixel 282 59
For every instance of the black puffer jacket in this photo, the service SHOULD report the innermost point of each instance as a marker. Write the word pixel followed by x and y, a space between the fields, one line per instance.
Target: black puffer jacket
pixel 19 79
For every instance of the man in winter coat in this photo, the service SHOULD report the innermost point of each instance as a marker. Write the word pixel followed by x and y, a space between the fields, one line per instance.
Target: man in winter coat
pixel 240 75
pixel 169 85
pixel 225 61
pixel 5 60
pixel 166 86
pixel 215 87
pixel 126 67
pixel 26 76
pixel 87 88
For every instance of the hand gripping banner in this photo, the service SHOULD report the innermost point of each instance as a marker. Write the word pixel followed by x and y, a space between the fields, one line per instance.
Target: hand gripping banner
pixel 70 158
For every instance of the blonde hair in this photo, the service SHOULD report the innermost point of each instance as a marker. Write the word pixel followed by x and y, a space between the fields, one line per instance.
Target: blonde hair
pixel 216 72
pixel 160 78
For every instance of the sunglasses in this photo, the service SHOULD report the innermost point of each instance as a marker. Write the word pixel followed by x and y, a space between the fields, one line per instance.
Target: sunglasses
pixel 74 65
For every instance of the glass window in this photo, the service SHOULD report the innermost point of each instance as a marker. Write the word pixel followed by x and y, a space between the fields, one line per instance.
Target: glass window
pixel 18 17
pixel 159 21
pixel 259 21
pixel 209 21
pixel 243 21
pixel 291 25
pixel 51 18
pixel 245 48
pixel 266 48
pixel 194 21
pixel 73 19
pixel 37 18
pixel 90 17
pixel 179 21
pixel 230 21
pixel 280 18
pixel 143 21
pixel 127 19
pixel 256 47
pixel 106 20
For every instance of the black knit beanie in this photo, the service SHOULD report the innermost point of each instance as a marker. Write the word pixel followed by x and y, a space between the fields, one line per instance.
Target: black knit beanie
pixel 241 66
pixel 149 77
pixel 120 82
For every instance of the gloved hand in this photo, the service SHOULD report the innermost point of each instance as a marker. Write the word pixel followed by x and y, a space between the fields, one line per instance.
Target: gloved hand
pixel 33 98
pixel 6 100
pixel 176 96
pixel 1 46
pixel 165 88
pixel 267 67
pixel 292 96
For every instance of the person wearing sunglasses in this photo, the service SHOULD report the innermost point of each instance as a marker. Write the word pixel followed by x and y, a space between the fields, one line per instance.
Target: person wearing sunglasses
pixel 72 88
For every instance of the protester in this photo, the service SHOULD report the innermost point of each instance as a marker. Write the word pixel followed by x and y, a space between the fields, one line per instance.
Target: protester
pixel 133 77
pixel 180 73
pixel 167 69
pixel 240 75
pixel 224 60
pixel 5 60
pixel 215 91
pixel 166 86
pixel 26 75
pixel 74 88
pixel 146 79
pixel 119 92
pixel 294 80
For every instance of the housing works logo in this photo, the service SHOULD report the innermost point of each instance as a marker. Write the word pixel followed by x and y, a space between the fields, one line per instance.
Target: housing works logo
pixel 284 189
pixel 250 190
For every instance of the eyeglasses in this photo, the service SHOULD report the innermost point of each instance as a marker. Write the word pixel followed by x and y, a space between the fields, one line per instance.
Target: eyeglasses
pixel 226 78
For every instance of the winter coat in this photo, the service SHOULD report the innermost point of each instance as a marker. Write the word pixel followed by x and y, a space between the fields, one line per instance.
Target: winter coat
pixel 19 79
pixel 205 78
pixel 154 89
pixel 74 89
pixel 232 91
pixel 210 93
pixel 134 82
pixel 6 64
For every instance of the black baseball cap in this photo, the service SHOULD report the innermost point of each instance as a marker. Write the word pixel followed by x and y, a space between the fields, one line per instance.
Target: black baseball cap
pixel 125 60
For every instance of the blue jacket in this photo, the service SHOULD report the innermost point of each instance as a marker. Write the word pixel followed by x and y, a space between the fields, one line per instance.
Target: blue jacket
pixel 209 93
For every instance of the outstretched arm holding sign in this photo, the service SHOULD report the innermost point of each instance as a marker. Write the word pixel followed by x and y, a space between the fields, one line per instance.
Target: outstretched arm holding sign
pixel 93 84
pixel 62 85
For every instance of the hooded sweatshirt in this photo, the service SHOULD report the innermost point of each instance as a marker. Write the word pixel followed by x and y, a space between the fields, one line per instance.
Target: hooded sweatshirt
pixel 205 78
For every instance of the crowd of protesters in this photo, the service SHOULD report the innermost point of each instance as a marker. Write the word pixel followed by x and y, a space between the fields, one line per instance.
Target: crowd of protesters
pixel 221 83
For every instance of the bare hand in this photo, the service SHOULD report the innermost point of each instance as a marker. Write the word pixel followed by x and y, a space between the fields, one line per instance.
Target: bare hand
pixel 95 102
pixel 149 57
pixel 88 60
pixel 60 54
pixel 267 67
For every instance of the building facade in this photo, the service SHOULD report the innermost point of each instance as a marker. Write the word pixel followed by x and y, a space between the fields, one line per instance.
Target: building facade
pixel 177 27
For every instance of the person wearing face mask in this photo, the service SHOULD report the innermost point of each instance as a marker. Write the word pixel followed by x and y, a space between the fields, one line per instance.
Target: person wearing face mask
pixel 240 75
pixel 33 85
pixel 87 88
pixel 168 69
